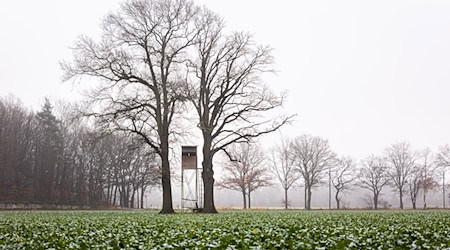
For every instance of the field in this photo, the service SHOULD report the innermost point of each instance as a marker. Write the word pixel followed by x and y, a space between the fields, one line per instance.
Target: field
pixel 232 230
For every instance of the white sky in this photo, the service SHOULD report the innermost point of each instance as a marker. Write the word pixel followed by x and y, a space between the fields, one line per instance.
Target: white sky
pixel 363 74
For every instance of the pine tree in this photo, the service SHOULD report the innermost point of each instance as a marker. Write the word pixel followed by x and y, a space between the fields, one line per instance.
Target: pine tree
pixel 49 150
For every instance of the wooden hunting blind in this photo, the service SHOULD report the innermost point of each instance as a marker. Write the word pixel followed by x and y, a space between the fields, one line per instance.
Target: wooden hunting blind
pixel 191 187
pixel 189 157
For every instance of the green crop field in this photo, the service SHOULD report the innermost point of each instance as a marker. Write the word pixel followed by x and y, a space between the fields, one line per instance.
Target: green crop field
pixel 227 230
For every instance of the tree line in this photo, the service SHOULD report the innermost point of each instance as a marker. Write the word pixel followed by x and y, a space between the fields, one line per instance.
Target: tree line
pixel 309 161
pixel 46 159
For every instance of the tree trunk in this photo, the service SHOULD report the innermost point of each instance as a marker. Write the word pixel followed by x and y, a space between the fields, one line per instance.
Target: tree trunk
pixel 424 198
pixel 285 198
pixel 115 196
pixel 244 194
pixel 109 191
pixel 329 189
pixel 414 199
pixel 132 198
pixel 138 198
pixel 208 176
pixel 337 200
pixel 124 195
pixel 142 196
pixel 375 200
pixel 443 189
pixel 249 200
pixel 401 198
pixel 306 199
pixel 309 198
pixel 121 194
pixel 167 207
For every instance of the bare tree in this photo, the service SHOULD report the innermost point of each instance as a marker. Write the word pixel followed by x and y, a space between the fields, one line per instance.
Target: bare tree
pixel 246 172
pixel 443 161
pixel 312 156
pixel 373 176
pixel 414 184
pixel 428 171
pixel 343 174
pixel 401 160
pixel 17 137
pixel 282 166
pixel 140 60
pixel 149 173
pixel 230 99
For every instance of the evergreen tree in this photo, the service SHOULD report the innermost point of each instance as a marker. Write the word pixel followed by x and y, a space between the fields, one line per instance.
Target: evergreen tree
pixel 48 151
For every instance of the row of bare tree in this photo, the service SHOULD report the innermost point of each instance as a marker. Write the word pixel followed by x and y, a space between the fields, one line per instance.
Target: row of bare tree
pixel 48 160
pixel 310 159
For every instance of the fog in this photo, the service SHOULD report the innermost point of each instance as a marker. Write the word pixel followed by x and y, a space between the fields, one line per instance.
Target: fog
pixel 271 198
pixel 363 75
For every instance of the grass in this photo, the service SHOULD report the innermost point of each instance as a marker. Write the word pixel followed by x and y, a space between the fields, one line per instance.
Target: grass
pixel 227 230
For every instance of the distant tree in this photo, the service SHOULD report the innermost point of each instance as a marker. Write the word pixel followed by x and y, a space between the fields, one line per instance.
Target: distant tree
pixel 77 185
pixel 443 156
pixel 282 166
pixel 17 137
pixel 342 176
pixel 428 173
pixel 246 172
pixel 130 169
pixel 52 158
pixel 140 62
pixel 148 172
pixel 312 156
pixel 443 161
pixel 48 153
pixel 414 184
pixel 373 176
pixel 228 94
pixel 401 159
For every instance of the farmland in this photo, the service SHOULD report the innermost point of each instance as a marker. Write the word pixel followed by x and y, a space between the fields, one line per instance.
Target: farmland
pixel 232 230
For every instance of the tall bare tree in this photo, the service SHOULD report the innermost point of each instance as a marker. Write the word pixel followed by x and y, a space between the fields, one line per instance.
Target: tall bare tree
pixel 373 176
pixel 312 156
pixel 226 89
pixel 282 166
pixel 140 60
pixel 401 159
pixel 246 172
pixel 443 161
pixel 343 175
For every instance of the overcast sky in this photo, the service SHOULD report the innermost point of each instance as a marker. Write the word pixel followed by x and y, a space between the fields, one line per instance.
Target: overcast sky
pixel 363 74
